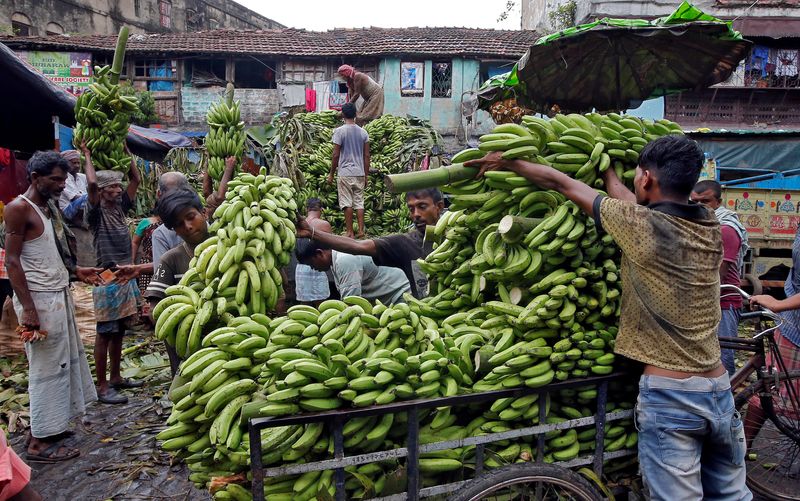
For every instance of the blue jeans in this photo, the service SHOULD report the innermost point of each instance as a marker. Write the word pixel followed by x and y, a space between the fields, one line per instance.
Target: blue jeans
pixel 729 327
pixel 691 439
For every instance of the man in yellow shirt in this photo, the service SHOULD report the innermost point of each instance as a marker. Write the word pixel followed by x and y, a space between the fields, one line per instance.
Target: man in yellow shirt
pixel 691 439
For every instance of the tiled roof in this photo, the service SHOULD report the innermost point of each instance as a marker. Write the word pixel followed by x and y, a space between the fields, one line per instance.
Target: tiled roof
pixel 506 44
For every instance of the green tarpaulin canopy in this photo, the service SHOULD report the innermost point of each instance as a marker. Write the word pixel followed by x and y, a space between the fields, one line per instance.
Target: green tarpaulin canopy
pixel 615 64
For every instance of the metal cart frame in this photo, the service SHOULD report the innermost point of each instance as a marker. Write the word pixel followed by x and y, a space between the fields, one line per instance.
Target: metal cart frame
pixel 413 449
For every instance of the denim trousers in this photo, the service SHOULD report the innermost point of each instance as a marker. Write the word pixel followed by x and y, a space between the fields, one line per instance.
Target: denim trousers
pixel 691 439
pixel 729 327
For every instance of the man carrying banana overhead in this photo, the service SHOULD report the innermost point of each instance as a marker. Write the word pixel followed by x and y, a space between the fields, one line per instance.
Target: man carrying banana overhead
pixel 691 439
pixel 399 250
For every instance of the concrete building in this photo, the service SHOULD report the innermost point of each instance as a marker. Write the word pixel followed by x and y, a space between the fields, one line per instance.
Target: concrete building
pixel 272 69
pixel 105 17
pixel 763 93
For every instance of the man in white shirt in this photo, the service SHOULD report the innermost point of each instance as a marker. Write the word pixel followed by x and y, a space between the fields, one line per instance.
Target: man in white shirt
pixel 73 198
pixel 354 275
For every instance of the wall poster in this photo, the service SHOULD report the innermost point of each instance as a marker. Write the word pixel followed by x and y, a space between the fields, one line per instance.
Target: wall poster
pixel 412 79
pixel 69 70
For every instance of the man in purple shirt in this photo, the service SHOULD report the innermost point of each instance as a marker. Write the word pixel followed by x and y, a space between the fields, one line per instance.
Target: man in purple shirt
pixel 734 247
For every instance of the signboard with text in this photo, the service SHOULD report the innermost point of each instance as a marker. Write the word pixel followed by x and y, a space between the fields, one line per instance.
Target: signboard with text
pixel 70 70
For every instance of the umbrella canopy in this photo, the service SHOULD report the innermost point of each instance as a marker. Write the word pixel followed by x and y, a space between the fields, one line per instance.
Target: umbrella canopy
pixel 615 64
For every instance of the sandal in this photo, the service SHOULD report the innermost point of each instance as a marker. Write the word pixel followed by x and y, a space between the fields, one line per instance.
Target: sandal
pixel 112 397
pixel 127 383
pixel 60 436
pixel 50 455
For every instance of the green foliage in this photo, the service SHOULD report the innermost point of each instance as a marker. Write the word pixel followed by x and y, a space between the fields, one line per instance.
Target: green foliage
pixel 563 16
pixel 147 105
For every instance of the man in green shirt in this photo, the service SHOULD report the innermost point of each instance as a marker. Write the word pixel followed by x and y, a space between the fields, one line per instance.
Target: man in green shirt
pixel 691 439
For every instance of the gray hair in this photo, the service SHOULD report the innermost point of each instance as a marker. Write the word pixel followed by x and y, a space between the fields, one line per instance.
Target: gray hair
pixel 171 181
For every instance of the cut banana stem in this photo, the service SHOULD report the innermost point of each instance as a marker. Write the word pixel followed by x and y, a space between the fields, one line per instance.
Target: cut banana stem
pixel 514 228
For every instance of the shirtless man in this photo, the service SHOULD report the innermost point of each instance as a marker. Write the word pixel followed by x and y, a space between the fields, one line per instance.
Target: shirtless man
pixel 40 264
pixel 311 286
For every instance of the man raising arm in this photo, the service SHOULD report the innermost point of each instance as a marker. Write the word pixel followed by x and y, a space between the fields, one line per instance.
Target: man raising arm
pixel 671 253
pixel 400 250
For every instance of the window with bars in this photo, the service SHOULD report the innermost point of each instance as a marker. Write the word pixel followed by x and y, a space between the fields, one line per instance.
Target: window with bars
pixel 303 71
pixel 165 13
pixel 103 60
pixel 137 8
pixel 442 79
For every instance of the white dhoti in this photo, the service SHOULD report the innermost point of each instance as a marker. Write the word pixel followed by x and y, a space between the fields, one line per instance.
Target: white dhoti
pixel 59 381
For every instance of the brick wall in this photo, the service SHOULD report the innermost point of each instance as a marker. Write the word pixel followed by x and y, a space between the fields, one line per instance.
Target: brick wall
pixel 257 105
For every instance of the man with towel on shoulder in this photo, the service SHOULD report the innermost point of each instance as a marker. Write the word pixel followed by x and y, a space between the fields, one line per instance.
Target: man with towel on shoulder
pixel 40 257
pixel 115 301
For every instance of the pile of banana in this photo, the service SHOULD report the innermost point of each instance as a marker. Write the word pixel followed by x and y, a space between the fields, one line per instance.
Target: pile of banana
pixel 351 353
pixel 524 292
pixel 236 270
pixel 103 117
pixel 225 136
pixel 395 142
pixel 581 146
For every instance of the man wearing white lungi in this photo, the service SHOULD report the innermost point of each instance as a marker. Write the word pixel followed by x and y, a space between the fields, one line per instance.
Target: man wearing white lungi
pixel 40 259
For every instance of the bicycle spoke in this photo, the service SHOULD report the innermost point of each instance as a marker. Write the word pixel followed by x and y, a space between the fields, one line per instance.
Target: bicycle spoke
pixel 775 472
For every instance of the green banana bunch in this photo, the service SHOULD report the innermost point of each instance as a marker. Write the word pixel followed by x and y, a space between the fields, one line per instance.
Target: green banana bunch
pixel 236 270
pixel 226 136
pixel 103 117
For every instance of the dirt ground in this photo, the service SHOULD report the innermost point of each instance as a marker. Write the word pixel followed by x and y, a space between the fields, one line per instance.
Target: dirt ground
pixel 119 459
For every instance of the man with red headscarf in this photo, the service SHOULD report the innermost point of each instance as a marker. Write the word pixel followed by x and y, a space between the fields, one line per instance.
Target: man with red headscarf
pixel 361 85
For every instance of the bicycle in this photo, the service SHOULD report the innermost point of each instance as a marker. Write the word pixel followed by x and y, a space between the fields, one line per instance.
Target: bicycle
pixel 772 418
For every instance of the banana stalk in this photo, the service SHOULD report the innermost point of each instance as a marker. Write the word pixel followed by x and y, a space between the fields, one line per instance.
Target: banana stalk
pixel 418 180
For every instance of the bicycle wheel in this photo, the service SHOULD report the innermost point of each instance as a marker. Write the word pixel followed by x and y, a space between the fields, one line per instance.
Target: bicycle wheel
pixel 528 482
pixel 773 469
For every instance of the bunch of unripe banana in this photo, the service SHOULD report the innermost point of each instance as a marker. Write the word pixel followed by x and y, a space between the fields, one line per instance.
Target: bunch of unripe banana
pixel 103 114
pixel 103 117
pixel 226 134
pixel 236 270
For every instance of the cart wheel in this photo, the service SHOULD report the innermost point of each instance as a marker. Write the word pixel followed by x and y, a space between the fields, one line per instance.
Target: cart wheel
pixel 530 481
pixel 755 283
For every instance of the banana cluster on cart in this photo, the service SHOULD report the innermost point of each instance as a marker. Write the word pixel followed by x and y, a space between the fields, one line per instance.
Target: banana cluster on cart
pixel 525 292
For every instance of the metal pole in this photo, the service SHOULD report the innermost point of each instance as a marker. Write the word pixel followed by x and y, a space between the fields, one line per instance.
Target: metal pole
pixel 338 453
pixel 600 426
pixel 412 461
pixel 255 463
pixel 56 137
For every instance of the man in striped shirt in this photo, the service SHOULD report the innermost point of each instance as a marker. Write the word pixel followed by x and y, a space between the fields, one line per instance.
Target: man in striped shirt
pixel 182 212
pixel 115 302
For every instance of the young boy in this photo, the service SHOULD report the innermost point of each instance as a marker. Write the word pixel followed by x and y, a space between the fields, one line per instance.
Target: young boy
pixel 182 212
